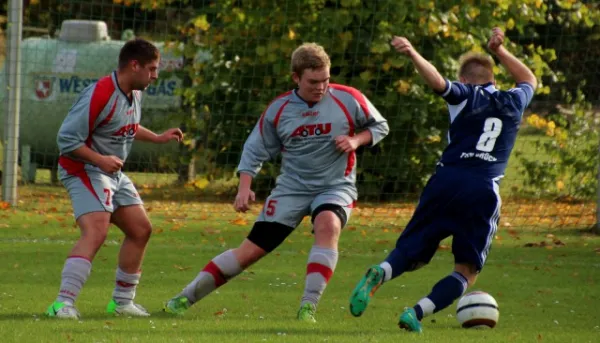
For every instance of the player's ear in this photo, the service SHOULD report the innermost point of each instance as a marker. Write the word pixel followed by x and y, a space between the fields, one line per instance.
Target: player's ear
pixel 296 77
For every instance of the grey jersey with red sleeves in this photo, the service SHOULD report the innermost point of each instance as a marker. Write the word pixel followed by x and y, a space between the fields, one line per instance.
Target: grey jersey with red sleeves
pixel 305 136
pixel 104 119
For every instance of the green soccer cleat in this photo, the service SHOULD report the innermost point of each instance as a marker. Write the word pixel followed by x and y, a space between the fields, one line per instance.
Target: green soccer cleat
pixel 306 313
pixel 62 310
pixel 409 322
pixel 129 309
pixel 365 289
pixel 177 305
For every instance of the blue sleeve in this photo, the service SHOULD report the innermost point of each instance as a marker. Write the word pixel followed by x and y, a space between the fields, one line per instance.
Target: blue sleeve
pixel 522 95
pixel 455 92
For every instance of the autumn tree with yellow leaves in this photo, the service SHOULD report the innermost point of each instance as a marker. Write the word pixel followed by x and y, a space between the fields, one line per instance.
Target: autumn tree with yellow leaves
pixel 237 59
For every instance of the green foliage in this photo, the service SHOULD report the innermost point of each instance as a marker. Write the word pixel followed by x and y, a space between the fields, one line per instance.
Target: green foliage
pixel 571 168
pixel 237 56
pixel 249 65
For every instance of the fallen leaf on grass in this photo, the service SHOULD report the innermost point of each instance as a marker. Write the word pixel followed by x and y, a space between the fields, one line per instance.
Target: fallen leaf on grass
pixel 221 313
pixel 180 267
pixel 239 221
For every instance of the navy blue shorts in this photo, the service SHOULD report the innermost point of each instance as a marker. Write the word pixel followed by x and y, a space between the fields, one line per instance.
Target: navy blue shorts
pixel 454 203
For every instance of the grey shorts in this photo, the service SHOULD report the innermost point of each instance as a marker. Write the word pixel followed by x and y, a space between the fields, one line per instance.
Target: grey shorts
pixel 97 192
pixel 289 208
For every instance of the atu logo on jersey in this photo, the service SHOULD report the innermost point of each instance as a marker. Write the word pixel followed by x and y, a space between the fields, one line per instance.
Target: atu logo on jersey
pixel 127 130
pixel 312 130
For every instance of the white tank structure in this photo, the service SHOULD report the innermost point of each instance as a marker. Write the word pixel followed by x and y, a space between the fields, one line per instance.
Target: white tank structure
pixel 55 71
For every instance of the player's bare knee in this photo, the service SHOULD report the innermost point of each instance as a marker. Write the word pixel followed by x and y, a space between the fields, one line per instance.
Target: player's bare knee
pixel 141 234
pixel 327 225
pixel 94 228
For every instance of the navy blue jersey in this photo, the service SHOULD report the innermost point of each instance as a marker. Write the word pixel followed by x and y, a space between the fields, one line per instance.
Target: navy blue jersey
pixel 483 126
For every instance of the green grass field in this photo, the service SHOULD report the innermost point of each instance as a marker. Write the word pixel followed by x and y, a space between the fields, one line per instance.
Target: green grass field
pixel 546 293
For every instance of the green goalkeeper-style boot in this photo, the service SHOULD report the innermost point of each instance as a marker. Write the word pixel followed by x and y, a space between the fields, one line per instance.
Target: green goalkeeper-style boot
pixel 408 321
pixel 359 300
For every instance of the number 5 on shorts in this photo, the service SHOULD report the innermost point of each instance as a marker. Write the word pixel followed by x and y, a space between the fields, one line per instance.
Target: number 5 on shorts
pixel 270 207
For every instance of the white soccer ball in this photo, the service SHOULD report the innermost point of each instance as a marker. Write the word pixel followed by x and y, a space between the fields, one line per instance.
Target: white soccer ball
pixel 477 310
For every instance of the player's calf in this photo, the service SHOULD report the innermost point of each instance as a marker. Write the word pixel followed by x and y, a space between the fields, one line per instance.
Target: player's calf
pixel 443 294
pixel 214 275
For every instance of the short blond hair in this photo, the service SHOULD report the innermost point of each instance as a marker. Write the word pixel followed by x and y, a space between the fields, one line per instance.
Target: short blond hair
pixel 476 67
pixel 309 56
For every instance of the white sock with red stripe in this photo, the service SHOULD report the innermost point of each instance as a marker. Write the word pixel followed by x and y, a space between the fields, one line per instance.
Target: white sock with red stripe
pixel 320 267
pixel 125 285
pixel 214 275
pixel 74 275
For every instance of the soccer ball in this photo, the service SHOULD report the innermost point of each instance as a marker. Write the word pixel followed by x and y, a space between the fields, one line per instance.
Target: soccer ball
pixel 477 310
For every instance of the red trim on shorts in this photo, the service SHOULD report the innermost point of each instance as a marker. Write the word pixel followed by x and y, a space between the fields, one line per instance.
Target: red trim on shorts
pixel 216 273
pixel 321 269
pixel 356 94
pixel 352 155
pixel 77 169
pixel 352 205
pixel 262 116
pixel 79 256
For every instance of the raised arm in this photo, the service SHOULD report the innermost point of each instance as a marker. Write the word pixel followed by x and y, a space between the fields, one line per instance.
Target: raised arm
pixel 517 69
pixel 427 71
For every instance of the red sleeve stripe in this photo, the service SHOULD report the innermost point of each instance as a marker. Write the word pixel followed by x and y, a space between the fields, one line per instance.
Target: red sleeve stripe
pixel 352 155
pixel 100 97
pixel 110 114
pixel 278 115
pixel 262 116
pixel 356 94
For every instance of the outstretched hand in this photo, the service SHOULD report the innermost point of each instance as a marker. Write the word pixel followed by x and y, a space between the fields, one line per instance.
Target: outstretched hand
pixel 173 134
